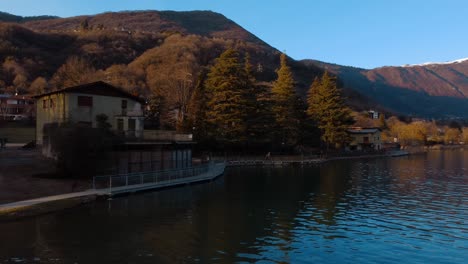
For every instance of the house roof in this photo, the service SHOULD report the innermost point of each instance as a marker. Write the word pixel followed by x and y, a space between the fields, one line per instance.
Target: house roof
pixel 360 130
pixel 96 88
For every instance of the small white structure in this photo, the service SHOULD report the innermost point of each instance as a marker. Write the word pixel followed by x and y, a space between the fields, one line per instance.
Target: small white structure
pixel 374 114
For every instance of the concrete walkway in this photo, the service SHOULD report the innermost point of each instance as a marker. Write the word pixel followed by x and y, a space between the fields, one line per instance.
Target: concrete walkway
pixel 14 145
pixel 4 208
pixel 274 162
pixel 63 201
pixel 215 172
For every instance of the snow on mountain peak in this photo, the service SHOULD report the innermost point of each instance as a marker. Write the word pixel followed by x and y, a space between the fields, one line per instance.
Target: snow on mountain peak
pixel 436 63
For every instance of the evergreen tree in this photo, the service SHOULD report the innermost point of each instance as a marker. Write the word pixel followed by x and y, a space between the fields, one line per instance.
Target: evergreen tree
pixel 84 25
pixel 260 118
pixel 327 109
pixel 196 114
pixel 228 96
pixel 382 122
pixel 285 106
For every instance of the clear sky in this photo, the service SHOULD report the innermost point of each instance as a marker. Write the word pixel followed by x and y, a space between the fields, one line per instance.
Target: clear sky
pixel 361 33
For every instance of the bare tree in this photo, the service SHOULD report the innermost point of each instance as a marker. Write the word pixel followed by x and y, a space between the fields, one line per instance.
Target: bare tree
pixel 75 71
pixel 39 85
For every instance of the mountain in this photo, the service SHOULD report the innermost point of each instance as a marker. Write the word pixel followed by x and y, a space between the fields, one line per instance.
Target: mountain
pixel 6 17
pixel 437 90
pixel 204 23
pixel 139 41
pixel 137 49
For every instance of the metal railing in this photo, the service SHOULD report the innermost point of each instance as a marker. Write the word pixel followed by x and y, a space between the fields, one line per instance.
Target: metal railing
pixel 209 170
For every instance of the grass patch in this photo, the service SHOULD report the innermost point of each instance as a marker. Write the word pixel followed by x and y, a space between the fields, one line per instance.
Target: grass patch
pixel 17 133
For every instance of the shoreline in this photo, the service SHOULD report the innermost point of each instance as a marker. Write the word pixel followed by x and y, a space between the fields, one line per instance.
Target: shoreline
pixel 12 213
pixel 39 206
pixel 49 204
pixel 299 160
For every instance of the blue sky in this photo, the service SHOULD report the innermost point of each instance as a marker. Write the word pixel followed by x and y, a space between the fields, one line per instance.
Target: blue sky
pixel 361 33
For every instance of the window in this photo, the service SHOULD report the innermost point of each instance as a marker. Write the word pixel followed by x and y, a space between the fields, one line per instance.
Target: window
pixel 44 103
pixel 85 101
pixel 120 124
pixel 131 124
pixel 51 103
pixel 124 107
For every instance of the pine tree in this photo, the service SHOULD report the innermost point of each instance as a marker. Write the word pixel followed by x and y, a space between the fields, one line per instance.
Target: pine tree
pixel 84 25
pixel 228 96
pixel 259 118
pixel 382 122
pixel 285 106
pixel 196 114
pixel 327 109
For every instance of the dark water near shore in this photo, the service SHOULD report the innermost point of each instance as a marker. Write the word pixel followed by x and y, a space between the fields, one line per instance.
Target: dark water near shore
pixel 387 210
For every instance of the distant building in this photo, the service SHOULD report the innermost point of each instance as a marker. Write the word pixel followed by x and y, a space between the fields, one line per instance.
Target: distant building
pixel 365 138
pixel 374 114
pixel 16 107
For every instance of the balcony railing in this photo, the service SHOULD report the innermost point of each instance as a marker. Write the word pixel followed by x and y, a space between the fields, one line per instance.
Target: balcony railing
pixel 154 135
pixel 122 182
pixel 165 135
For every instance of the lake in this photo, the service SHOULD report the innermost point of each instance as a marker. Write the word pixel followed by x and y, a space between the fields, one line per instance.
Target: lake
pixel 383 210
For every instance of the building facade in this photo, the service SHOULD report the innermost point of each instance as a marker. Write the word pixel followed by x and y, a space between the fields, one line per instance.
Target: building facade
pixel 140 150
pixel 374 114
pixel 82 104
pixel 365 138
pixel 16 107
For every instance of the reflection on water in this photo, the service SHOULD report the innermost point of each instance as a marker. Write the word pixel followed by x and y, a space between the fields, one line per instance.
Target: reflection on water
pixel 410 209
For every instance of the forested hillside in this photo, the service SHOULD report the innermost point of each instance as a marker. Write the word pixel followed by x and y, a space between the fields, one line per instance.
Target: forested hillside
pixel 433 90
pixel 128 49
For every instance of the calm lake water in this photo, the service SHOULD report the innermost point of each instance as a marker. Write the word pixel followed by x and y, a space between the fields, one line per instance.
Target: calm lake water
pixel 387 210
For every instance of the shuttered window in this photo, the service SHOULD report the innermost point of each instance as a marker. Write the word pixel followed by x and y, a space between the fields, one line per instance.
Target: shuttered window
pixel 85 101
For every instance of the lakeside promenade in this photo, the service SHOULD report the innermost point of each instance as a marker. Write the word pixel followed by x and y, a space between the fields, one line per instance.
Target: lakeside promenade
pixel 53 203
pixel 157 180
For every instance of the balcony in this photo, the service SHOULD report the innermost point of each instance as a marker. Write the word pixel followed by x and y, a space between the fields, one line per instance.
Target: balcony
pixel 154 135
pixel 165 135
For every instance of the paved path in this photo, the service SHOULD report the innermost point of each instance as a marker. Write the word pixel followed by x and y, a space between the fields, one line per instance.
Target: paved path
pixel 274 162
pixel 28 203
pixel 14 145
pixel 216 171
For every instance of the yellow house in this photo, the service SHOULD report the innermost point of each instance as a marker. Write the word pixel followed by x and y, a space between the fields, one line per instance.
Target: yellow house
pixel 365 138
pixel 81 104
pixel 142 150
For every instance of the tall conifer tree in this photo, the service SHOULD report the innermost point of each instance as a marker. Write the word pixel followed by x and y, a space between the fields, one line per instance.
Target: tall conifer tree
pixel 285 105
pixel 228 93
pixel 260 119
pixel 327 108
pixel 197 109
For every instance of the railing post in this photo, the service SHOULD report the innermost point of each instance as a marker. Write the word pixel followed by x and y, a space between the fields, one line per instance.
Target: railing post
pixel 110 184
pixel 94 182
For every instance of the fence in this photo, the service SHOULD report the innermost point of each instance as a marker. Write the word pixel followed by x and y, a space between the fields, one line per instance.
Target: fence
pixel 209 170
pixel 271 157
